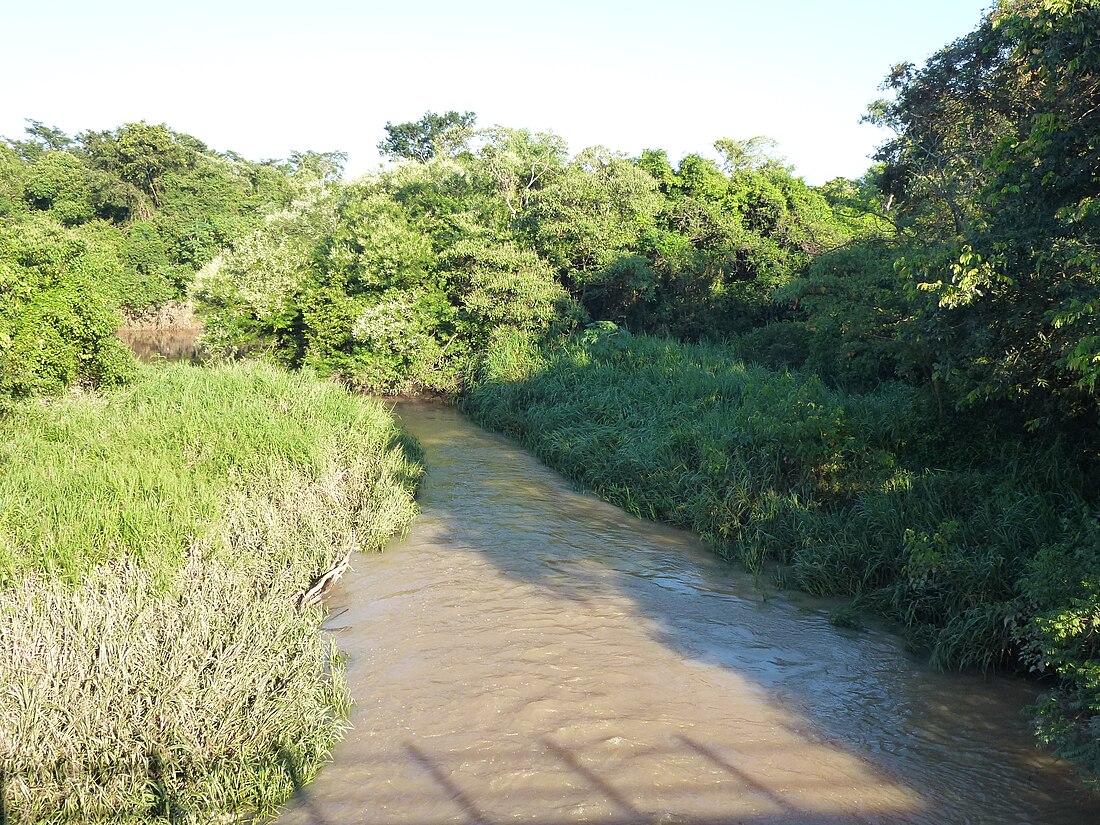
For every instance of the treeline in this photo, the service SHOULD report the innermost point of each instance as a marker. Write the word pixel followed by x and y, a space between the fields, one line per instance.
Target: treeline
pixel 114 222
pixel 399 280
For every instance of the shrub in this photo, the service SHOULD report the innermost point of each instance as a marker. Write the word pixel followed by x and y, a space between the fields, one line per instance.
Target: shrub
pixel 57 312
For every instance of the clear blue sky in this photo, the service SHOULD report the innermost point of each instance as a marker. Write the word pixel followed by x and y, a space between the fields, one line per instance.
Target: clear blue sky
pixel 266 78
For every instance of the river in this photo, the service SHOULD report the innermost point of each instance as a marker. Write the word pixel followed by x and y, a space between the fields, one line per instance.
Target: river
pixel 531 654
pixel 167 343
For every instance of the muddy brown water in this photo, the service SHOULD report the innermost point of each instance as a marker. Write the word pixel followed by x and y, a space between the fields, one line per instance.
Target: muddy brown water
pixel 162 343
pixel 531 654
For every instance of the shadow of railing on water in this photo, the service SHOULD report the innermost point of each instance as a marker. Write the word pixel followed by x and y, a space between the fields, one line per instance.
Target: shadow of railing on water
pixel 452 791
pixel 446 799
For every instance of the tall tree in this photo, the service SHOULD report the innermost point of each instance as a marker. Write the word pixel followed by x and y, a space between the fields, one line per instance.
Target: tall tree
pixel 432 136
pixel 142 154
pixel 947 116
pixel 1015 300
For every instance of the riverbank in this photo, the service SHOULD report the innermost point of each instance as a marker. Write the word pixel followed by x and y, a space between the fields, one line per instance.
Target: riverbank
pixel 983 556
pixel 529 653
pixel 155 547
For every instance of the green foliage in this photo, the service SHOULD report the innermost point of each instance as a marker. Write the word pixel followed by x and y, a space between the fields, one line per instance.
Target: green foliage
pixel 59 181
pixel 947 115
pixel 142 155
pixel 432 136
pixel 249 293
pixel 687 434
pixel 1006 297
pixel 849 309
pixel 391 284
pixel 57 321
pixel 340 283
pixel 504 285
pixel 117 220
pixel 165 567
pixel 518 164
pixel 147 277
pixel 40 138
pixel 177 202
pixel 596 210
pixel 721 243
pixel 13 172
pixel 1063 639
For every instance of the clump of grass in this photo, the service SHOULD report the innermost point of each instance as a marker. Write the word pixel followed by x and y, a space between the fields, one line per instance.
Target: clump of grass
pixel 126 701
pixel 157 665
pixel 845 616
pixel 685 433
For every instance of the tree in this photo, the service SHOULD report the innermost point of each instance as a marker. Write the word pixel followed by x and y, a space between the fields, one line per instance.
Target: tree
pixel 947 116
pixel 142 155
pixel 519 163
pixel 432 136
pixel 748 155
pixel 327 167
pixel 503 285
pixel 41 138
pixel 1014 302
pixel 58 181
pixel 13 171
pixel 592 213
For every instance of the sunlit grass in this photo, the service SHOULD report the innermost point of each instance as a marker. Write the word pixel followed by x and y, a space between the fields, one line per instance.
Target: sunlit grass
pixel 156 665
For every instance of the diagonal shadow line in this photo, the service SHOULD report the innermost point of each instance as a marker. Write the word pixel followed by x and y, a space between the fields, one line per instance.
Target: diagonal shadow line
pixel 455 793
pixel 300 792
pixel 569 759
pixel 738 774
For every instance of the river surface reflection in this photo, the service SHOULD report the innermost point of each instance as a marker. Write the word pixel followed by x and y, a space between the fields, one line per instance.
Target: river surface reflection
pixel 163 343
pixel 529 653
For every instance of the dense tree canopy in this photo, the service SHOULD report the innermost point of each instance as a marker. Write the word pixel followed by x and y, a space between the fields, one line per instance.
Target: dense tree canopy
pixel 109 222
pixel 431 136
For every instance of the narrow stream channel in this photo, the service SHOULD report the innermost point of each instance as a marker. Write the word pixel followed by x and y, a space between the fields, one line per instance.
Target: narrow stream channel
pixel 531 654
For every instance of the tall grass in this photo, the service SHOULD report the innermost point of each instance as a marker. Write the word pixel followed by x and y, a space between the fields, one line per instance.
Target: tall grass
pixel 985 553
pixel 157 665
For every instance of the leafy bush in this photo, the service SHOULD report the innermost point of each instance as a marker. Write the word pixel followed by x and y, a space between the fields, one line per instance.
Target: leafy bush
pixel 848 307
pixel 57 318
pixel 350 284
pixel 1062 588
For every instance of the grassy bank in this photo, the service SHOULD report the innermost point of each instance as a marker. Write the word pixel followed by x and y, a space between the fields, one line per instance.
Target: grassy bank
pixel 983 555
pixel 155 543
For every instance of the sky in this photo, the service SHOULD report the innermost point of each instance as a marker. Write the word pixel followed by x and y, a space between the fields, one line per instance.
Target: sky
pixel 264 79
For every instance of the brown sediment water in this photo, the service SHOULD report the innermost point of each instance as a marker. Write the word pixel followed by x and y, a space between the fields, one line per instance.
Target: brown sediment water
pixel 162 343
pixel 529 653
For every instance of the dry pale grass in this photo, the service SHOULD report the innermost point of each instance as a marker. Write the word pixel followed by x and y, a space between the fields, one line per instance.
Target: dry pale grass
pixel 203 693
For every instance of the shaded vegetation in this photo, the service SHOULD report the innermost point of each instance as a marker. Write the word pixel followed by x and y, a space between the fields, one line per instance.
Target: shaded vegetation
pixel 968 552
